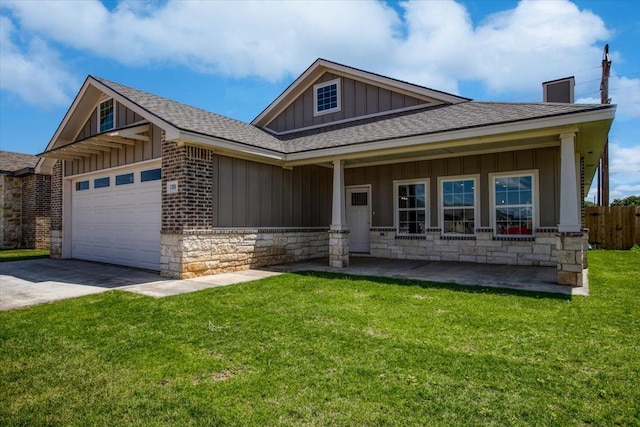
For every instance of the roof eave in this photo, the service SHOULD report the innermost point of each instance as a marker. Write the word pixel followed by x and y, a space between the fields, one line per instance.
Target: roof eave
pixel 554 124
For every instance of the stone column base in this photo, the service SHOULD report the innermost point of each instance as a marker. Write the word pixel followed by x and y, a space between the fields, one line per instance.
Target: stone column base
pixel 572 258
pixel 55 244
pixel 339 248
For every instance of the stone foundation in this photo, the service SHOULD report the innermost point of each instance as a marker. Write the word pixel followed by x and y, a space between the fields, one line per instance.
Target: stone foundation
pixel 216 251
pixel 339 248
pixel 572 258
pixel 55 244
pixel 482 248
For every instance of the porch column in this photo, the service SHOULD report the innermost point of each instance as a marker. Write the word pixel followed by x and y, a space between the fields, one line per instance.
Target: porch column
pixel 339 232
pixel 570 221
pixel 572 241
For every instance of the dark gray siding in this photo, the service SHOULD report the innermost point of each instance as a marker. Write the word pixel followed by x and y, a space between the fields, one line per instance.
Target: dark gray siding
pixel 124 117
pixel 381 178
pixel 357 99
pixel 143 150
pixel 251 194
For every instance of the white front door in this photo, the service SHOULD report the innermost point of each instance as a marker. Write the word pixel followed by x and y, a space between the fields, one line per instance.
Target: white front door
pixel 358 218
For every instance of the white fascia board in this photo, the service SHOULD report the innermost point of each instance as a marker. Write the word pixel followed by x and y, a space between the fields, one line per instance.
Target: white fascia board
pixel 229 147
pixel 453 138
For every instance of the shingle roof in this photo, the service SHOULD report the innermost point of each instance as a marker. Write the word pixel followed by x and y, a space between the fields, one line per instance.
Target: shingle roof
pixel 188 118
pixel 11 162
pixel 425 121
pixel 428 121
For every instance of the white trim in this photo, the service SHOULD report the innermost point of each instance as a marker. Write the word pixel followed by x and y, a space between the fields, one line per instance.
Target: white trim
pixel 114 168
pixel 476 200
pixel 322 85
pixel 113 106
pixel 535 192
pixel 427 203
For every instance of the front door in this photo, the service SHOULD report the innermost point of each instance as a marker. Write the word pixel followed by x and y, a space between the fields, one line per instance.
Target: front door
pixel 358 218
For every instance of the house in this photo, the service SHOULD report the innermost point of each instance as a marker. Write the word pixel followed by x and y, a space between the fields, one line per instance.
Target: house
pixel 343 162
pixel 24 202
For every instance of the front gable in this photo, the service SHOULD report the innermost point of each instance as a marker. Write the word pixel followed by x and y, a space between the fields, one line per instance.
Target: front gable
pixel 330 93
pixel 129 135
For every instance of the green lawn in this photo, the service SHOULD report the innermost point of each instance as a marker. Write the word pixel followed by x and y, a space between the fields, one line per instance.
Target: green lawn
pixel 320 349
pixel 20 254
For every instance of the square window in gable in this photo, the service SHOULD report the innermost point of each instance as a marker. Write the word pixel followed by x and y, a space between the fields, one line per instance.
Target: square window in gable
pixel 326 97
pixel 106 115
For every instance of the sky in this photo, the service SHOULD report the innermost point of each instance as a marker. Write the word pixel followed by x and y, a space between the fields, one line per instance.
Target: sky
pixel 235 57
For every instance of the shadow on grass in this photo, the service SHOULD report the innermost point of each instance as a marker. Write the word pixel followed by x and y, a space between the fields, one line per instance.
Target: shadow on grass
pixel 470 289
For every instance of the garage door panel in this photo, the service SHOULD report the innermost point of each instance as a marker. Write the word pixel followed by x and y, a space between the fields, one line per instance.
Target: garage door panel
pixel 118 224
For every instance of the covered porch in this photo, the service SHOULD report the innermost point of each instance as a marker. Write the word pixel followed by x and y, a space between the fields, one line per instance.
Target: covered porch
pixel 515 277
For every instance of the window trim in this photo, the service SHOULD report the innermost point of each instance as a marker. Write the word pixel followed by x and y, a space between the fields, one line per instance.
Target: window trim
pixel 315 97
pixel 535 193
pixel 476 200
pixel 114 114
pixel 427 204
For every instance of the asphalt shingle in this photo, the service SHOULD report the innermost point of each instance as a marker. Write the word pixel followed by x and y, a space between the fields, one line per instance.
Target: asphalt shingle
pixel 429 120
pixel 11 162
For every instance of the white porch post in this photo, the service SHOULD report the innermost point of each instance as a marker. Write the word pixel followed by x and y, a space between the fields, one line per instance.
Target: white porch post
pixel 572 242
pixel 338 213
pixel 569 182
pixel 339 231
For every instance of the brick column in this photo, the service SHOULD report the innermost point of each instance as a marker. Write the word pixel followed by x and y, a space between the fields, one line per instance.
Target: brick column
pixel 55 242
pixel 572 258
pixel 189 209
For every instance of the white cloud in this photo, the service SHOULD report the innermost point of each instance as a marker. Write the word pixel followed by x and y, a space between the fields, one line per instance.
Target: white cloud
pixel 35 74
pixel 625 93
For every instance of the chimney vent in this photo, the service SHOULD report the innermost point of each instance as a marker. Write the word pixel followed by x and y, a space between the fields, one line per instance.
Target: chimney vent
pixel 560 90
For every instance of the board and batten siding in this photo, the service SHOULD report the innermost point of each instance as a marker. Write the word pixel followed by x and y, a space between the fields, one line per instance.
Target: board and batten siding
pixel 143 150
pixel 545 160
pixel 357 99
pixel 252 194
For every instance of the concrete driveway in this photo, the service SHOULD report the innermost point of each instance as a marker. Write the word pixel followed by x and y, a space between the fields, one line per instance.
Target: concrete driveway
pixel 31 282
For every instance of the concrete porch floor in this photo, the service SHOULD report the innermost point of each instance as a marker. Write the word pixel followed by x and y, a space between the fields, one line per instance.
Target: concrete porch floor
pixel 524 278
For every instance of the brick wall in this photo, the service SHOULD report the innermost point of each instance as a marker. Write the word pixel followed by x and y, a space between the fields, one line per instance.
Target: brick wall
pixel 191 207
pixel 56 211
pixel 11 211
pixel 36 211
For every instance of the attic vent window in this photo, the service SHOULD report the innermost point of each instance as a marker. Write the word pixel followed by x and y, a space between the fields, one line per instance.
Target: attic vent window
pixel 106 115
pixel 326 97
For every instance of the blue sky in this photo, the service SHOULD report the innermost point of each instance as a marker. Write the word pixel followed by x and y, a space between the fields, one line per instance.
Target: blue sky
pixel 234 58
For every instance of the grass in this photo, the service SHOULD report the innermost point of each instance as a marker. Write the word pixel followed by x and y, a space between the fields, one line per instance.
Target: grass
pixel 321 349
pixel 20 254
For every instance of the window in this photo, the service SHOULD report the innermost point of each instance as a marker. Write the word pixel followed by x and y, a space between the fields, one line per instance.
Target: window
pixel 411 205
pixel 101 182
pixel 151 175
pixel 514 211
pixel 326 97
pixel 124 179
pixel 458 200
pixel 82 185
pixel 106 115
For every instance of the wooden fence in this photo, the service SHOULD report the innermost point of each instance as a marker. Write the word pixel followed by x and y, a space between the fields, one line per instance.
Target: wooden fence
pixel 613 227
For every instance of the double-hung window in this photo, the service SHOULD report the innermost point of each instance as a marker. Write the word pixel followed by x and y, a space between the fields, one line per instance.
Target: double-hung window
pixel 411 207
pixel 514 203
pixel 326 97
pixel 106 115
pixel 459 205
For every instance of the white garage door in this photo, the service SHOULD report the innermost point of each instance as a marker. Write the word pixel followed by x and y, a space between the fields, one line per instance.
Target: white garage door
pixel 115 217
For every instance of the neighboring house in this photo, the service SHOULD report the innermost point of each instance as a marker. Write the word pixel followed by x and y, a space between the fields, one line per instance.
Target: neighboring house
pixel 25 202
pixel 342 162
